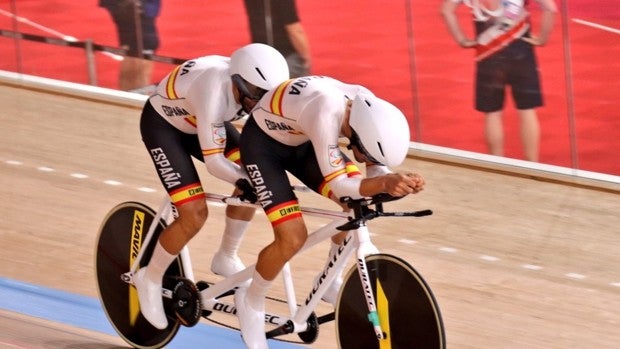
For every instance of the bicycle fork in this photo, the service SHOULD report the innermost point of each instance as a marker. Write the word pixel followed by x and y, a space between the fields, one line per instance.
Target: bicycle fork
pixel 377 317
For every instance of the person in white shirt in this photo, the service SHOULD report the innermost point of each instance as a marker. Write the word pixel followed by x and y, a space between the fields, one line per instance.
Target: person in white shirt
pixel 505 56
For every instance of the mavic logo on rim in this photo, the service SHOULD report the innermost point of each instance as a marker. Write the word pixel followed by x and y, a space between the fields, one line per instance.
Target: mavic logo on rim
pixel 137 228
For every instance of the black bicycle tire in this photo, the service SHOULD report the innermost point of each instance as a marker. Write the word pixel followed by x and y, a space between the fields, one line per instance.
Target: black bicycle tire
pixel 113 248
pixel 415 322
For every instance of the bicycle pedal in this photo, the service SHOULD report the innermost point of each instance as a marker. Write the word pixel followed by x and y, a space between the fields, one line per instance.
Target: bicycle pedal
pixel 186 303
pixel 203 285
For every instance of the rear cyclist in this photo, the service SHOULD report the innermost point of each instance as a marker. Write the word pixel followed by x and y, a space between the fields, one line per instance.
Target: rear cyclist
pixel 295 128
pixel 189 116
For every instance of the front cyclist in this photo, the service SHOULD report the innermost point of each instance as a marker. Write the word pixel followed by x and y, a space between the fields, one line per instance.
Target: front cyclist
pixel 296 128
pixel 189 116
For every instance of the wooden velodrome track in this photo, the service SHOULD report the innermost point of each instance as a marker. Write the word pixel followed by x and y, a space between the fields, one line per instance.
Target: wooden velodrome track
pixel 514 261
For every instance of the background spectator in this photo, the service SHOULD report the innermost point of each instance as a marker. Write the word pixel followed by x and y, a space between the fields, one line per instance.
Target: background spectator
pixel 277 24
pixel 137 33
pixel 505 57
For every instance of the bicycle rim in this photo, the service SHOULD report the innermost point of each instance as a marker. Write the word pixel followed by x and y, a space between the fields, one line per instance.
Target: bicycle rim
pixel 120 236
pixel 407 308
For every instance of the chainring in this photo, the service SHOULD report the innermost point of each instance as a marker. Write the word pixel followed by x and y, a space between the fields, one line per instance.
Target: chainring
pixel 185 304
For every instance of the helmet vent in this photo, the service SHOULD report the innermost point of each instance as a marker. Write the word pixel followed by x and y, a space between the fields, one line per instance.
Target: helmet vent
pixel 380 149
pixel 260 73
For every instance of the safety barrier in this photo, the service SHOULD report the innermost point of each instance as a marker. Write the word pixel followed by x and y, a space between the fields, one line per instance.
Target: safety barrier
pixel 89 48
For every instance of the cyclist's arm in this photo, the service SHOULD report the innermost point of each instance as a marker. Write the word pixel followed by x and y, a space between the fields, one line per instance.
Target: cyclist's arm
pixel 395 184
pixel 217 164
pixel 212 138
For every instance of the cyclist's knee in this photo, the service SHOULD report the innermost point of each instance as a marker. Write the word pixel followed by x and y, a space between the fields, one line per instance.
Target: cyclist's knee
pixel 192 216
pixel 290 237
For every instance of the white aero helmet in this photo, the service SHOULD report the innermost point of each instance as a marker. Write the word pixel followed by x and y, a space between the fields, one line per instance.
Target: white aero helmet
pixel 380 130
pixel 259 65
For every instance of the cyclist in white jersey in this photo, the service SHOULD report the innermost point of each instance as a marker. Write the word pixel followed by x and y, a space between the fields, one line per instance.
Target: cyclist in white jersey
pixel 296 128
pixel 189 117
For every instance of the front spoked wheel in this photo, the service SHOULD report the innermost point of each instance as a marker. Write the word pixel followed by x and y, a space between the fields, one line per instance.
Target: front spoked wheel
pixel 120 239
pixel 407 309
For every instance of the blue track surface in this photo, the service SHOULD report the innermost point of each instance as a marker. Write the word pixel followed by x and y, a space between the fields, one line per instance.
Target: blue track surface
pixel 85 312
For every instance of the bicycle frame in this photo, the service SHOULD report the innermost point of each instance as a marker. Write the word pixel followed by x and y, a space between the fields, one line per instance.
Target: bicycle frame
pixel 357 241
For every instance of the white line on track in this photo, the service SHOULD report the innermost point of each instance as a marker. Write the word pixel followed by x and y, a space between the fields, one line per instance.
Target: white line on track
pixel 576 276
pixel 147 190
pixel 596 25
pixel 534 267
pixel 448 249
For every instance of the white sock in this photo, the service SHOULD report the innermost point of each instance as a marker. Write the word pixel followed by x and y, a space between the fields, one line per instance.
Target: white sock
pixel 233 234
pixel 257 292
pixel 160 261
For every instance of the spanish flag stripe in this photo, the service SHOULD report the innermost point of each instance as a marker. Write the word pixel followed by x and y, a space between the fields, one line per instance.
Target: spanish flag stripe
pixel 284 210
pixel 234 155
pixel 278 96
pixel 170 92
pixel 325 190
pixel 353 170
pixel 187 193
pixel 191 120
pixel 207 152
pixel 282 205
pixel 181 202
pixel 285 218
pixel 333 175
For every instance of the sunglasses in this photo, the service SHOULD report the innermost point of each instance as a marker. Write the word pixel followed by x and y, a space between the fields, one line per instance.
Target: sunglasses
pixel 248 90
pixel 355 141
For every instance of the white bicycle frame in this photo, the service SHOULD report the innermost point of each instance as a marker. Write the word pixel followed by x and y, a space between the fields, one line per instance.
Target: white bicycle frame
pixel 357 241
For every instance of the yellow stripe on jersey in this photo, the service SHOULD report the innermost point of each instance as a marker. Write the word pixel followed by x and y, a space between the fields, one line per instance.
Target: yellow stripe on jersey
pixel 333 175
pixel 278 96
pixel 325 190
pixel 187 193
pixel 351 170
pixel 172 79
pixel 283 212
pixel 207 152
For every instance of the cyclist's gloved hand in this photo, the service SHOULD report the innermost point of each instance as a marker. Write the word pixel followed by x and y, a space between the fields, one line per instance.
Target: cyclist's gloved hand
pixel 248 193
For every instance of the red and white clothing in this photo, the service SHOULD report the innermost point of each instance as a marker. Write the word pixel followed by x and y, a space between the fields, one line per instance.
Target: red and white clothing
pixel 498 23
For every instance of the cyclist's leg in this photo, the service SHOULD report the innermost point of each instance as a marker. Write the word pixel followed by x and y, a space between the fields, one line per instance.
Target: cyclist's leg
pixel 266 161
pixel 308 171
pixel 406 307
pixel 120 240
pixel 171 152
pixel 226 260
